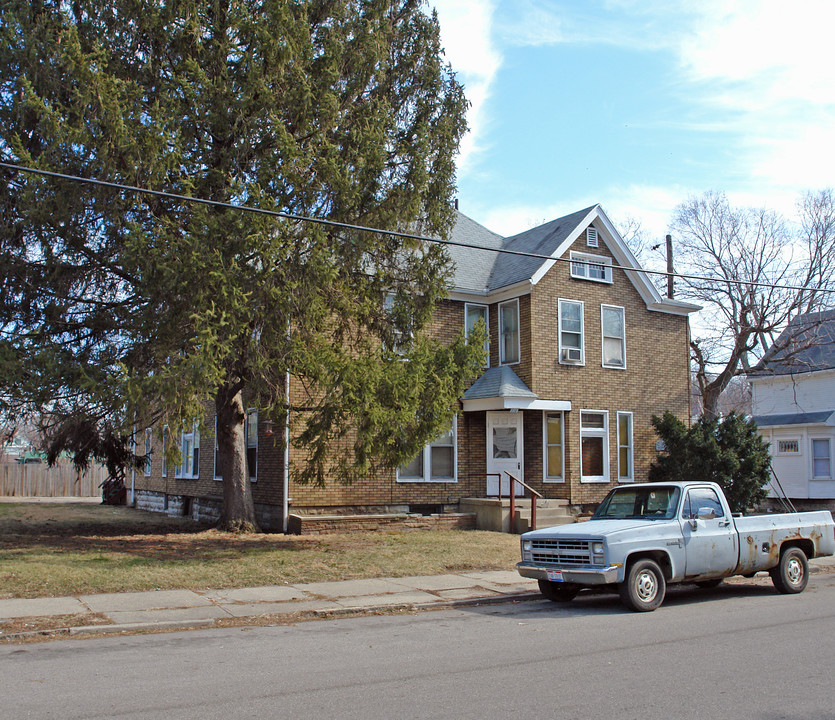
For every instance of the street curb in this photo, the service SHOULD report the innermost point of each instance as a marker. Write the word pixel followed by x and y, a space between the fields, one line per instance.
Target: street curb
pixel 315 614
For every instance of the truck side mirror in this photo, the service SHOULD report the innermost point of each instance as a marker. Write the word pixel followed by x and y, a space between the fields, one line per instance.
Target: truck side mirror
pixel 706 513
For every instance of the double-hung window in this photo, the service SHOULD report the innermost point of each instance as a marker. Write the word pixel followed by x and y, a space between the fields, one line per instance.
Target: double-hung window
pixel 585 266
pixel 821 458
pixel 401 331
pixel 436 462
pixel 472 314
pixel 594 446
pixel 252 444
pixel 164 450
pixel 554 446
pixel 613 327
pixel 190 451
pixel 218 472
pixel 571 349
pixel 625 447
pixel 509 350
pixel 148 447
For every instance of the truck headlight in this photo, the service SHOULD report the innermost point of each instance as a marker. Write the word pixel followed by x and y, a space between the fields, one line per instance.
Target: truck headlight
pixel 597 549
pixel 526 550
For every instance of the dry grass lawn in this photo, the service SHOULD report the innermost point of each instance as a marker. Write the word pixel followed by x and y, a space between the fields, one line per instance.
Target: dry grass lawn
pixel 57 549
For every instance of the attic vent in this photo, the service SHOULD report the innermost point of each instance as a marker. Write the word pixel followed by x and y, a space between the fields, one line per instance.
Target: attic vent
pixel 591 237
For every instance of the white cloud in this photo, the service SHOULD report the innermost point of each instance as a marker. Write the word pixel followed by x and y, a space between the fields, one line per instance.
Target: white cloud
pixel 467 38
pixel 766 67
pixel 754 79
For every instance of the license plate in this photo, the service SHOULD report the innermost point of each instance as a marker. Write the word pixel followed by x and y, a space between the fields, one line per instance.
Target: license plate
pixel 554 575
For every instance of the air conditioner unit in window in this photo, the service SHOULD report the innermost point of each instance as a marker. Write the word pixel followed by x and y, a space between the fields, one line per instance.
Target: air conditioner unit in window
pixel 572 354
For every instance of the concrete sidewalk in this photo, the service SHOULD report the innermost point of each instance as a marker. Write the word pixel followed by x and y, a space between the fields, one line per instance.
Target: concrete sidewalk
pixel 165 609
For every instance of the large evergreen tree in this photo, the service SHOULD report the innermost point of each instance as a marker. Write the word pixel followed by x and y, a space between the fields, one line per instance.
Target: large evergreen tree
pixel 728 452
pixel 122 310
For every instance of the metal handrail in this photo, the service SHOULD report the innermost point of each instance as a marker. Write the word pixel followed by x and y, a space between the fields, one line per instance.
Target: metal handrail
pixel 534 496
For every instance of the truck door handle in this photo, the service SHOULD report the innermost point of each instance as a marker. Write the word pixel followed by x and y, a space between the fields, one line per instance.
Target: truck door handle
pixel 724 523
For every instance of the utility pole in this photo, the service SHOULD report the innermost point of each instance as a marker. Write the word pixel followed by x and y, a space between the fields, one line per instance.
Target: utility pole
pixel 670 288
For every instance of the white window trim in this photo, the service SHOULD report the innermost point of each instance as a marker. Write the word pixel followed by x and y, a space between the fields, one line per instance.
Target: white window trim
pixel 630 445
pixel 402 338
pixel 217 473
pixel 545 476
pixel 595 432
pixel 486 309
pixel 427 462
pixel 813 457
pixel 787 453
pixel 189 461
pixel 249 412
pixel 149 446
pixel 164 448
pixel 579 266
pixel 622 338
pixel 502 361
pixel 560 303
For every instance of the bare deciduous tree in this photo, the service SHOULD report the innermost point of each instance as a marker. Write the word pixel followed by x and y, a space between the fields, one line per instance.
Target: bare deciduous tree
pixel 764 271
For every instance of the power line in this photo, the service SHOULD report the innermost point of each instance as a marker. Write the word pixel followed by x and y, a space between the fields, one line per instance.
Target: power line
pixel 393 233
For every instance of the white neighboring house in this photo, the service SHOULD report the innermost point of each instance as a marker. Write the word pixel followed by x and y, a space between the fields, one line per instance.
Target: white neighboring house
pixel 793 404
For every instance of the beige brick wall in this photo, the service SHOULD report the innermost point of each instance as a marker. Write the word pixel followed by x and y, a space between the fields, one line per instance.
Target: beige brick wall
pixel 656 379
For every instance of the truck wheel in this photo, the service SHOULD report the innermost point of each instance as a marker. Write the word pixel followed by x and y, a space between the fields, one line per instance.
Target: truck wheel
pixel 644 587
pixel 792 574
pixel 557 591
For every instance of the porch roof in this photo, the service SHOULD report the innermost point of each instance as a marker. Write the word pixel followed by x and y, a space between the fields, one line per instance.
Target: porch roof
pixel 500 388
pixel 811 418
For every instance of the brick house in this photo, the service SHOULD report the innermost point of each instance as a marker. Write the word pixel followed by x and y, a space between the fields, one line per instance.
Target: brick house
pixel 583 351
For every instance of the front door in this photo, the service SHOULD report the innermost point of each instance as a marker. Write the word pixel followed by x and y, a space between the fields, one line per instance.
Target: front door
pixel 504 452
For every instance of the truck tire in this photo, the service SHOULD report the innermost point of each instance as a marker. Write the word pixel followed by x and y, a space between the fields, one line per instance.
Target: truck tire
pixel 792 574
pixel 644 587
pixel 557 591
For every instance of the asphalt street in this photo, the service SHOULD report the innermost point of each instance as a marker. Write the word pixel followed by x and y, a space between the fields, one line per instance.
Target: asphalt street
pixel 740 650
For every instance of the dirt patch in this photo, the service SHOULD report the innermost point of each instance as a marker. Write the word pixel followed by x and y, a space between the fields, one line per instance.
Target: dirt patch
pixel 34 625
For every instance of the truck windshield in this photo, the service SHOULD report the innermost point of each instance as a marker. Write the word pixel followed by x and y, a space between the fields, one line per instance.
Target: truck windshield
pixel 657 503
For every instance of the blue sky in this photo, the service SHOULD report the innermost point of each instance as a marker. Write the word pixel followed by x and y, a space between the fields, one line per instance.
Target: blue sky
pixel 638 104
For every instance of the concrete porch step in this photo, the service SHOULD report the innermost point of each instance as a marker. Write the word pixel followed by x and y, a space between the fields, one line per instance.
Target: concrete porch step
pixel 548 514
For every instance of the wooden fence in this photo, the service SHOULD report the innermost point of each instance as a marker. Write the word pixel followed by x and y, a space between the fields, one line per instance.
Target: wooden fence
pixel 39 480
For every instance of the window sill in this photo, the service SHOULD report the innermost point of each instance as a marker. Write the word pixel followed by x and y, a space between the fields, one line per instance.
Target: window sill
pixel 434 481
pixel 604 281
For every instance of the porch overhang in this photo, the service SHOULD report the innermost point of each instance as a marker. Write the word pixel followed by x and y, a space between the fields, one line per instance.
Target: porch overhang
pixel 823 417
pixel 501 388
pixel 515 403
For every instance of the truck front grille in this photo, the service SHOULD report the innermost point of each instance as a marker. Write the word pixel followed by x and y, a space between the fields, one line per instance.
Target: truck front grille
pixel 571 553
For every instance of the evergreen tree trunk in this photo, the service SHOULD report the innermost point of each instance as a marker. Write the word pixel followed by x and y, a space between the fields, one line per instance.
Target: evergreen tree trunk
pixel 238 507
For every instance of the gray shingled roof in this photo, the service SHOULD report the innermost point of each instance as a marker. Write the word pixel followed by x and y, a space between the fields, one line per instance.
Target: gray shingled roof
pixel 499 382
pixel 485 271
pixel 812 418
pixel 815 336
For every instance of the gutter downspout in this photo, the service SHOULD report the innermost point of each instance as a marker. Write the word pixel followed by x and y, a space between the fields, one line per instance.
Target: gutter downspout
pixel 286 501
pixel 133 472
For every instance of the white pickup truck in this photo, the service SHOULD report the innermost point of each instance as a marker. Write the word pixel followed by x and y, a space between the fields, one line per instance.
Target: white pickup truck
pixel 647 535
